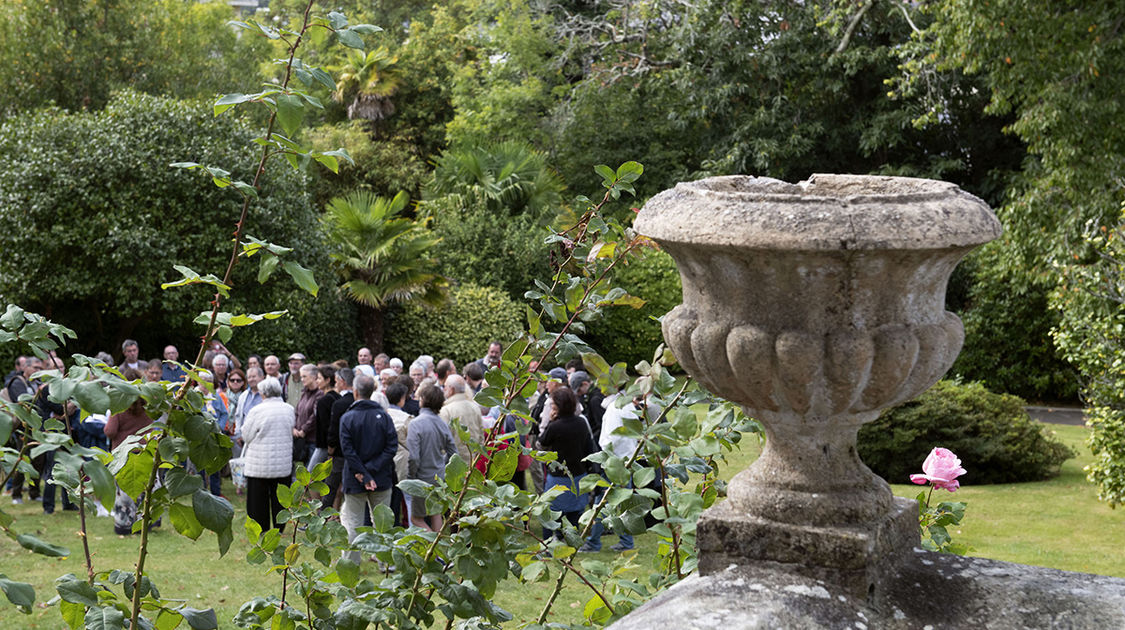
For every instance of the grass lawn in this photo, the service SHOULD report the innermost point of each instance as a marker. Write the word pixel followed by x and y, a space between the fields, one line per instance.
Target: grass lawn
pixel 1056 523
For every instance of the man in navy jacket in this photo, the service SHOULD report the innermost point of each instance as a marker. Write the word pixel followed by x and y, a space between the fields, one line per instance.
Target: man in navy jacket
pixel 368 443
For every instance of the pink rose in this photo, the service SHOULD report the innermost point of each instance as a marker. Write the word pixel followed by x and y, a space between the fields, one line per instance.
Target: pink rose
pixel 941 468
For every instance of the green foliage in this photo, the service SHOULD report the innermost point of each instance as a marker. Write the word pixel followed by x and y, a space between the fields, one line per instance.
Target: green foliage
pixel 381 167
pixel 1091 334
pixel 382 258
pixel 740 87
pixel 992 434
pixel 96 187
pixel 623 334
pixel 1008 321
pixel 489 204
pixel 75 53
pixel 461 329
pixel 935 522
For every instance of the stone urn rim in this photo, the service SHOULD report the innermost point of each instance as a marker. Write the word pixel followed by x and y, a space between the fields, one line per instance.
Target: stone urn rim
pixel 823 213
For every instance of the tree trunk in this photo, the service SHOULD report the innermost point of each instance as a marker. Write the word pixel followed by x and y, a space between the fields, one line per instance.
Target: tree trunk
pixel 371 327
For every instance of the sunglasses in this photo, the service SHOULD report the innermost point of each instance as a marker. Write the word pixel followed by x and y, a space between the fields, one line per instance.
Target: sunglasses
pixel 235 380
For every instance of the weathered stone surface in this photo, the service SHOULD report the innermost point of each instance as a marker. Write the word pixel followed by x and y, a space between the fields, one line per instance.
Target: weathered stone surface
pixel 815 305
pixel 852 558
pixel 927 590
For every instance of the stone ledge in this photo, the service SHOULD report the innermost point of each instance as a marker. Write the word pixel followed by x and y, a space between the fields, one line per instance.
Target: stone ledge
pixel 927 591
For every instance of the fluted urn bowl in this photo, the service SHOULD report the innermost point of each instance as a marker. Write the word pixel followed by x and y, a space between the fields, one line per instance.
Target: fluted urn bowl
pixel 815 305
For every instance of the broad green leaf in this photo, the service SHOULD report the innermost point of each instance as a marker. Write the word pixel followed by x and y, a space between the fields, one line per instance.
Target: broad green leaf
pixel 455 473
pixel 349 38
pixel 134 474
pixel 105 488
pixel 303 277
pixel 6 424
pixel 183 519
pixel 72 614
pixel 323 77
pixel 337 20
pixel 643 476
pixel 33 543
pixel 267 266
pixel 77 591
pixel 629 171
pixel 533 572
pixel 615 470
pixel 348 572
pixel 92 397
pixel 19 593
pixel 104 618
pixel 383 518
pixel 606 173
pixel 251 318
pixel 200 619
pixel 290 112
pixel 214 513
pixel 191 277
pixel 167 620
pixel 228 101
pixel 328 161
pixel 179 483
pixel 12 317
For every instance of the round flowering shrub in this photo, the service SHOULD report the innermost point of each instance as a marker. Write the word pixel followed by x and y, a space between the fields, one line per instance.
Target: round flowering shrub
pixel 991 433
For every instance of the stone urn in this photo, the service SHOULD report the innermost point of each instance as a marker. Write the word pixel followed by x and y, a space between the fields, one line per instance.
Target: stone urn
pixel 815 306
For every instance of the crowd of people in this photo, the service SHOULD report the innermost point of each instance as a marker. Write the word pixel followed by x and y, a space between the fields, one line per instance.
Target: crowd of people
pixel 375 422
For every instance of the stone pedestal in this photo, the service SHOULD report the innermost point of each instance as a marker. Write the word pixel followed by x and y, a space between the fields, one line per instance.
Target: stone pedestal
pixel 815 306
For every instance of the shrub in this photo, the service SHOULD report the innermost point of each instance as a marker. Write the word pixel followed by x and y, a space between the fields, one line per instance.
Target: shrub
pixel 631 335
pixel 992 434
pixel 92 219
pixel 460 330
pixel 1008 326
pixel 383 167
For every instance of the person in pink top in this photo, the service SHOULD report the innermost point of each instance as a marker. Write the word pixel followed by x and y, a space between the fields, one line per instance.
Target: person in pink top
pixel 118 427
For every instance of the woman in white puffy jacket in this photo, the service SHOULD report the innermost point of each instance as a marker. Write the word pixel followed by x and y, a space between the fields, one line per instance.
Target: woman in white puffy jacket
pixel 267 436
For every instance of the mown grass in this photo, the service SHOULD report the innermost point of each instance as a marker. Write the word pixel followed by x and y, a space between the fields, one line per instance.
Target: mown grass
pixel 1056 523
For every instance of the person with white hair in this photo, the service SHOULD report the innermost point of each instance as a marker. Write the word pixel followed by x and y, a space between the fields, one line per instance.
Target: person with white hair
pixel 459 410
pixel 427 362
pixel 417 373
pixel 396 365
pixel 268 450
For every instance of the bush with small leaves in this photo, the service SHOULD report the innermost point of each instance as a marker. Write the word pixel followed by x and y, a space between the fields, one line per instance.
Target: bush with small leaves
pixel 460 330
pixel 992 433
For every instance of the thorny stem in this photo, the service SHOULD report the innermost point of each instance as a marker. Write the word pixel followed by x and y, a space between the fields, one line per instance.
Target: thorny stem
pixel 285 572
pixel 569 566
pixel 667 514
pixel 241 225
pixel 432 549
pixel 83 533
pixel 605 497
pixel 146 523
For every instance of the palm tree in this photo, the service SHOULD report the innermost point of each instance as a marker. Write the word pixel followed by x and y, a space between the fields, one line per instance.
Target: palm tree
pixel 509 177
pixel 365 83
pixel 383 258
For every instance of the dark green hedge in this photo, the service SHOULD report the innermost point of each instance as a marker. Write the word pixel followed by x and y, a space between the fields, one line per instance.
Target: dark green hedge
pixel 992 434
pixel 460 330
pixel 92 219
pixel 628 334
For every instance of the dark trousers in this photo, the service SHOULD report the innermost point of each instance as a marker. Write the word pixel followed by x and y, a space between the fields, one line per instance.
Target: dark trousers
pixel 335 478
pixel 261 501
pixel 49 488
